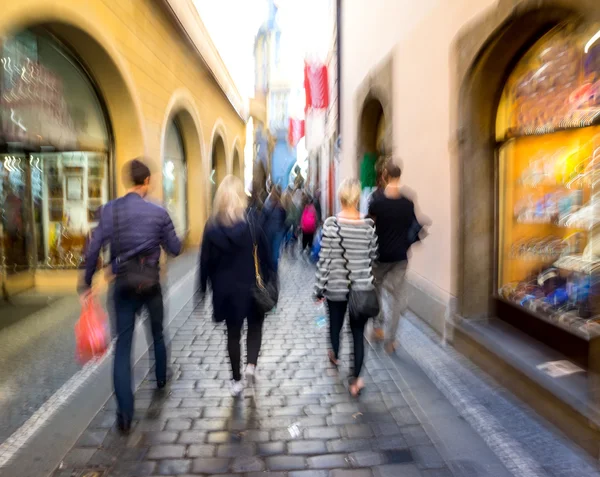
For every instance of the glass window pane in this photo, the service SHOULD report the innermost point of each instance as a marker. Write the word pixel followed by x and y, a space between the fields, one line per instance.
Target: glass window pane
pixel 175 179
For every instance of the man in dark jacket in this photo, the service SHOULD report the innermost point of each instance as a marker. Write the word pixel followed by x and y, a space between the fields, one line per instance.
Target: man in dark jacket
pixel 397 230
pixel 133 227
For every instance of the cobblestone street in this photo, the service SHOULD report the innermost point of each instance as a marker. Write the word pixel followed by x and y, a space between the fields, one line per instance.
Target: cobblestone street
pixel 298 420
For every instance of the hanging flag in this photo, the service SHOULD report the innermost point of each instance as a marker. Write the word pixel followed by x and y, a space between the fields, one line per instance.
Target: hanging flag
pixel 316 86
pixel 296 131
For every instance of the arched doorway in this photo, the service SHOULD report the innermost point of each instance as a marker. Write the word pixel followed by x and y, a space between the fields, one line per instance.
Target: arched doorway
pixel 56 169
pixel 219 163
pixel 175 176
pixel 371 147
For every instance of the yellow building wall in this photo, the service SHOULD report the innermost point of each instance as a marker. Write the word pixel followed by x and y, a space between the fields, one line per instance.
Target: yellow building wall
pixel 147 73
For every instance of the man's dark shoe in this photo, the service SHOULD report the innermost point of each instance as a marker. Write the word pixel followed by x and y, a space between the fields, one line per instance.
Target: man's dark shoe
pixel 123 424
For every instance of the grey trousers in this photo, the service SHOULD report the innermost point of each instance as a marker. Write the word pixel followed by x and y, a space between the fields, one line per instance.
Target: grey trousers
pixel 389 281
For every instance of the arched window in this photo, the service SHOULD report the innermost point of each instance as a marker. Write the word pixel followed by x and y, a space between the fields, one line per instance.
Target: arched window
pixel 54 137
pixel 175 177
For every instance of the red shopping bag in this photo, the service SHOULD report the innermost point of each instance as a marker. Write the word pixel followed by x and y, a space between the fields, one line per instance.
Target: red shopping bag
pixel 91 334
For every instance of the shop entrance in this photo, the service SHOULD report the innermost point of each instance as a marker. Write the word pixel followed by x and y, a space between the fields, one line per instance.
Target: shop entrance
pixel 54 166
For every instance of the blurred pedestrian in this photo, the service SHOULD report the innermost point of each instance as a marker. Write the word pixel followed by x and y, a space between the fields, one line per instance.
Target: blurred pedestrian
pixel 348 248
pixel 397 229
pixel 308 224
pixel 227 262
pixel 273 218
pixel 136 230
pixel 291 221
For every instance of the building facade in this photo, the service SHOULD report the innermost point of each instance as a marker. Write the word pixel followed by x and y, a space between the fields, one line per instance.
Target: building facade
pixel 87 86
pixel 491 105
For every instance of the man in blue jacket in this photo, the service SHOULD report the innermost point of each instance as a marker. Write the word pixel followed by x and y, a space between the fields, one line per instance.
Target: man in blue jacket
pixel 133 227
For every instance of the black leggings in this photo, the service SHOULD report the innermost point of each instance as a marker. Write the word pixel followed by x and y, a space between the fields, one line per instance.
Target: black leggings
pixel 307 240
pixel 337 312
pixel 234 335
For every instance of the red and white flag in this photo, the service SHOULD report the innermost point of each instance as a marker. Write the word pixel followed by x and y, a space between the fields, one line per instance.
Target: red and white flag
pixel 296 131
pixel 316 86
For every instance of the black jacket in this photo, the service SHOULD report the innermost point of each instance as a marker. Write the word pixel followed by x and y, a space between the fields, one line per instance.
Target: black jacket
pixel 227 262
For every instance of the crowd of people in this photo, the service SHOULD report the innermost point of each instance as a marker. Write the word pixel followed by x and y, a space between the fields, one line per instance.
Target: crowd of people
pixel 360 271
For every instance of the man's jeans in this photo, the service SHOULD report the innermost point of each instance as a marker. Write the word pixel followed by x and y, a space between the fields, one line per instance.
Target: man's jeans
pixel 127 305
pixel 389 280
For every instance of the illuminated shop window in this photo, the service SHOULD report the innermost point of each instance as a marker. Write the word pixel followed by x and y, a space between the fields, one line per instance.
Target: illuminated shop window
pixel 549 180
pixel 54 169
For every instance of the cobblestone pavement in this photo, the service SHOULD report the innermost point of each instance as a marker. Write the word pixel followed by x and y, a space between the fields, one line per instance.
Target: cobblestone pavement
pixel 298 419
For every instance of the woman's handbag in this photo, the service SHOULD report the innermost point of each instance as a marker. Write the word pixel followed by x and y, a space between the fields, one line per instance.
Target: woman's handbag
pixel 266 294
pixel 362 304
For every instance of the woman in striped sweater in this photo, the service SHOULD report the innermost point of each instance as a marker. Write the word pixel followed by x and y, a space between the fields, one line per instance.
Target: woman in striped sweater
pixel 348 248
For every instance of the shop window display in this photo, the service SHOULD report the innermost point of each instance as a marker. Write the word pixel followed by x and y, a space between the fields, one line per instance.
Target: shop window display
pixel 55 160
pixel 549 181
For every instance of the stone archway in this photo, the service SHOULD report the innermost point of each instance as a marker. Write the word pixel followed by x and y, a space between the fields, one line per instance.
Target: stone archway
pixel 483 55
pixel 103 62
pixel 371 122
pixel 182 109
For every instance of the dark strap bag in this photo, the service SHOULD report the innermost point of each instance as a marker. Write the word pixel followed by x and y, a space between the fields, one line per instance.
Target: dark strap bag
pixel 133 268
pixel 362 304
pixel 265 293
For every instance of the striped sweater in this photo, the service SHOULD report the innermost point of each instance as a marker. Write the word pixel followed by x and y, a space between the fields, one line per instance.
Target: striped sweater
pixel 348 249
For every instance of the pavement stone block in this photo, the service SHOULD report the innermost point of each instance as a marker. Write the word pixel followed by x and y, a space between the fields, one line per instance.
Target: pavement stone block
pixel 210 465
pixel 209 424
pixel 354 431
pixel 322 433
pixel 201 450
pixel 285 462
pixel 328 461
pixel 178 424
pixel 236 450
pixel 349 445
pixel 218 437
pixel 271 448
pixel 247 464
pixel 168 451
pixel 174 466
pixel 191 437
pixel 308 447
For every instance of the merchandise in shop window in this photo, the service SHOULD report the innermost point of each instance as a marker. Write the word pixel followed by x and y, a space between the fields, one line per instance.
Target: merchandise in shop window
pixel 549 208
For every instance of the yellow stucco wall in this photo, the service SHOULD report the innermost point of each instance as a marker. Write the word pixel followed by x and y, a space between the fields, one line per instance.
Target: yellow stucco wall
pixel 147 74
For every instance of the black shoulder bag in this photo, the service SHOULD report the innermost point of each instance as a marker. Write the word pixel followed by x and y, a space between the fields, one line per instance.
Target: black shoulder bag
pixel 362 304
pixel 133 271
pixel 266 294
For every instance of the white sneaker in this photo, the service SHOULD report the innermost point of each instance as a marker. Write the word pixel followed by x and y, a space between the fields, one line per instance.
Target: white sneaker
pixel 237 388
pixel 250 373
